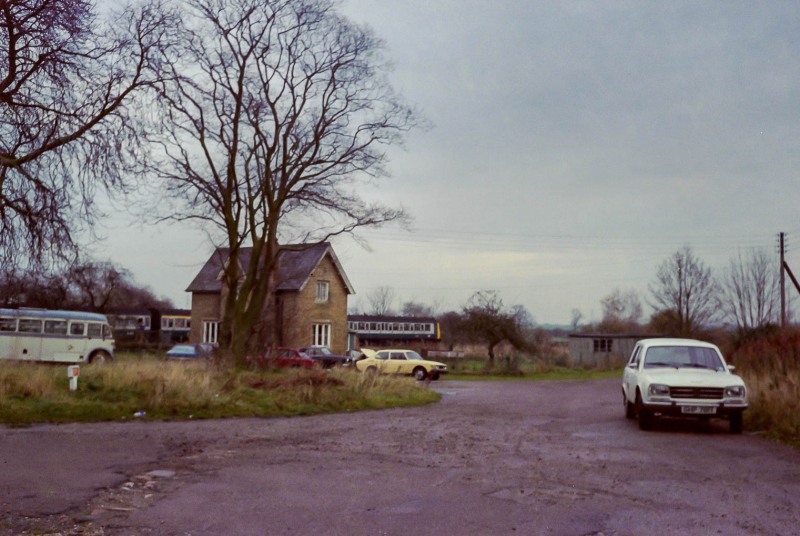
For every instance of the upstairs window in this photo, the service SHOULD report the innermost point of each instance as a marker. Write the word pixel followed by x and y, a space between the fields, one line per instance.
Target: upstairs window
pixel 323 289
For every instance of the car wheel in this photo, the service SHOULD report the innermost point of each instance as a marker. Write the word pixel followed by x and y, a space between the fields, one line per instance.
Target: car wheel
pixel 372 371
pixel 99 358
pixel 630 409
pixel 735 423
pixel 644 417
pixel 420 374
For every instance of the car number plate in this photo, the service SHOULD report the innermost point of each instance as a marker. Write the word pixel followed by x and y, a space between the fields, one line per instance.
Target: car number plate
pixel 699 410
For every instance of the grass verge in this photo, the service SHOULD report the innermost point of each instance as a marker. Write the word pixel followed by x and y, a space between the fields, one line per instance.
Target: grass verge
pixel 515 367
pixel 34 393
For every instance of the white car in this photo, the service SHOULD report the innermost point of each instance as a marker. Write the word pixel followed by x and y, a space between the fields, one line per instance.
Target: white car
pixel 681 378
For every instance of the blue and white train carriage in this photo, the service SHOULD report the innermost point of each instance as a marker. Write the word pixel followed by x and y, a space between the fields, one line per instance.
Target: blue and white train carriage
pixel 392 331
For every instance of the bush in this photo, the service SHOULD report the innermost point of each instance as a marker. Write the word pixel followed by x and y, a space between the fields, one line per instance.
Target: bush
pixel 770 365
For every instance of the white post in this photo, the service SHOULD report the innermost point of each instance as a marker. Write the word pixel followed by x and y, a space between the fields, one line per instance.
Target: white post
pixel 73 371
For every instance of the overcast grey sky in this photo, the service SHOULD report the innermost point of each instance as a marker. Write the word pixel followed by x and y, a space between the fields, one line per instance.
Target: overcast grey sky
pixel 574 146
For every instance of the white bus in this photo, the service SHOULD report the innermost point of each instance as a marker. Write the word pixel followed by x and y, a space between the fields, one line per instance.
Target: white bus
pixel 55 336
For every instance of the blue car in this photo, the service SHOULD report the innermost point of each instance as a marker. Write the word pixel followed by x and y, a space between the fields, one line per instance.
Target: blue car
pixel 191 351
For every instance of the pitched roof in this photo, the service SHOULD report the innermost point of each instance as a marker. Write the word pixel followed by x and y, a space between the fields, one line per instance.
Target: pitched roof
pixel 296 263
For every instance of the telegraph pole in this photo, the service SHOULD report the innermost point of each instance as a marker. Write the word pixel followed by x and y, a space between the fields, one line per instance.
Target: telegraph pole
pixel 783 280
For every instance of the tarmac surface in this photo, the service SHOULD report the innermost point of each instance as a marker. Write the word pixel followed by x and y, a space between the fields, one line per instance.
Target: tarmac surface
pixel 492 458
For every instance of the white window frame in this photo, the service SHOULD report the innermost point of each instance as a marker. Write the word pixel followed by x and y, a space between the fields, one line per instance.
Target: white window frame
pixel 211 331
pixel 321 334
pixel 323 291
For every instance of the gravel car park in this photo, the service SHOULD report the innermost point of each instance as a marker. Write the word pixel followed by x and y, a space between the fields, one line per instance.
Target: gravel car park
pixel 519 457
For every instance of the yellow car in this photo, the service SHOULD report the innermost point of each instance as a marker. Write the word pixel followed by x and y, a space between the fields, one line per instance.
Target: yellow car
pixel 400 362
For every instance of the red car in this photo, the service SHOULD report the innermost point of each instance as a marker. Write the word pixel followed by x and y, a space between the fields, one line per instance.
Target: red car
pixel 284 358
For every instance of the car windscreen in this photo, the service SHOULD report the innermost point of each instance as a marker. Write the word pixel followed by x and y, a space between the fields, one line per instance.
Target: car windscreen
pixel 682 356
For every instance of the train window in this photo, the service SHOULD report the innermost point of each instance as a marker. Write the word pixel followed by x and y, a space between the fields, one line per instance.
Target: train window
pixel 29 325
pixel 8 324
pixel 55 327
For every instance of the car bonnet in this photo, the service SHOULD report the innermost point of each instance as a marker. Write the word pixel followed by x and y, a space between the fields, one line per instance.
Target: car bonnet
pixel 692 377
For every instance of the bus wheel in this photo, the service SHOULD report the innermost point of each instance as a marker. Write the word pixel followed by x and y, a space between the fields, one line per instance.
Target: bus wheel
pixel 100 357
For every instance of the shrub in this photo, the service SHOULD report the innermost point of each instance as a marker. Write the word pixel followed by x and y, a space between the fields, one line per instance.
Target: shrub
pixel 770 365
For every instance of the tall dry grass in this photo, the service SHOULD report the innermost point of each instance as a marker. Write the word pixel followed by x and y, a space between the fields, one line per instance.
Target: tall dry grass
pixel 166 390
pixel 770 366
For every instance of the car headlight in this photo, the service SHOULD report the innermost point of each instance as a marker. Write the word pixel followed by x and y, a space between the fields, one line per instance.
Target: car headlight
pixel 735 391
pixel 658 389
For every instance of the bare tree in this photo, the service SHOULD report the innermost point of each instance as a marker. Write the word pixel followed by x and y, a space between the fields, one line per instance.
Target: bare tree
pixel 381 301
pixel 414 308
pixel 685 288
pixel 487 320
pixel 33 288
pixel 274 113
pixel 84 285
pixel 576 318
pixel 65 129
pixel 622 310
pixel 103 286
pixel 751 290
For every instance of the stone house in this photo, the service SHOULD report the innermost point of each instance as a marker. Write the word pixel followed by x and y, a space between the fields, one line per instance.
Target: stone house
pixel 312 296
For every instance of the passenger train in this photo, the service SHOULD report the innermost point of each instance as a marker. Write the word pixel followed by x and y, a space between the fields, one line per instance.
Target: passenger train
pixel 387 331
pixel 150 326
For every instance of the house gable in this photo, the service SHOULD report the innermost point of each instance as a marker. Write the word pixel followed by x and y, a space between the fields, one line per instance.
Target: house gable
pixel 300 268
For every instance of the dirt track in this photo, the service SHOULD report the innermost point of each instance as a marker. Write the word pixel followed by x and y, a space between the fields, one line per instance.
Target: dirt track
pixel 491 458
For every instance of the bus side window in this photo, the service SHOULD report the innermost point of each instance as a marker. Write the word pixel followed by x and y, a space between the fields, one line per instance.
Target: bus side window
pixel 8 324
pixel 77 329
pixel 95 330
pixel 29 325
pixel 55 327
